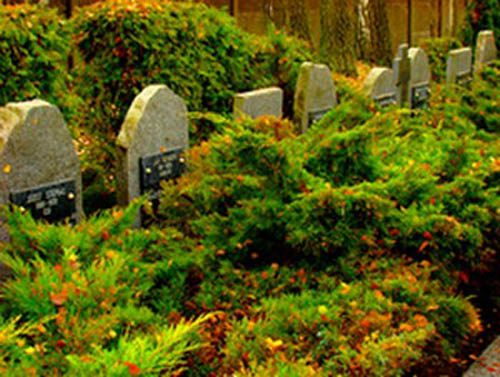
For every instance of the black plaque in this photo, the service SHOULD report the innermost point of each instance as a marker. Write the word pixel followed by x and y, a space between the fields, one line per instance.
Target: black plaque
pixel 386 99
pixel 315 116
pixel 420 94
pixel 464 79
pixel 160 167
pixel 55 202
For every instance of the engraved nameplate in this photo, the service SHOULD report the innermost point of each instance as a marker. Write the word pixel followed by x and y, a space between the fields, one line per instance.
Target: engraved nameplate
pixel 420 94
pixel 386 99
pixel 315 116
pixel 157 168
pixel 464 78
pixel 55 202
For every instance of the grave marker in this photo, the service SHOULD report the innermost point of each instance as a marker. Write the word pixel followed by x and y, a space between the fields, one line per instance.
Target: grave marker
pixel 40 168
pixel 420 78
pixel 401 69
pixel 459 67
pixel 314 95
pixel 259 103
pixel 380 86
pixel 152 140
pixel 486 49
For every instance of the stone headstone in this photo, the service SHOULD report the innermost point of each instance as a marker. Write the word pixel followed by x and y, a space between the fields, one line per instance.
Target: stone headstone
pixel 401 70
pixel 314 95
pixel 488 365
pixel 381 87
pixel 40 171
pixel 486 49
pixel 152 141
pixel 459 67
pixel 259 103
pixel 420 78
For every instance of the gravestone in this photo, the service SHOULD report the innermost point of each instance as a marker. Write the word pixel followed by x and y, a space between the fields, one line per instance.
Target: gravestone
pixel 314 95
pixel 152 141
pixel 420 78
pixel 39 167
pixel 401 70
pixel 459 67
pixel 259 103
pixel 381 87
pixel 40 171
pixel 486 49
pixel 488 365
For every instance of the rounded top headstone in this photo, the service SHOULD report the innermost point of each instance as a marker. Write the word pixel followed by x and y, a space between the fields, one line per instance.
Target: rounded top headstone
pixel 486 49
pixel 379 81
pixel 315 93
pixel 36 149
pixel 419 66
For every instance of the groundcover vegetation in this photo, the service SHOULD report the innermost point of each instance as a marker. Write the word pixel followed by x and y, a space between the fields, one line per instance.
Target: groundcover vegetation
pixel 343 251
pixel 351 250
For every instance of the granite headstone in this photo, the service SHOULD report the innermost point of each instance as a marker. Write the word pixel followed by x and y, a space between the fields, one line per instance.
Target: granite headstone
pixel 486 49
pixel 381 87
pixel 152 141
pixel 420 78
pixel 314 95
pixel 401 70
pixel 39 167
pixel 459 67
pixel 40 171
pixel 257 103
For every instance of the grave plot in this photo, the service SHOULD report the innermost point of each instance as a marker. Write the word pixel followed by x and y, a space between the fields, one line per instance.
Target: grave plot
pixel 259 103
pixel 152 141
pixel 459 67
pixel 380 86
pixel 486 50
pixel 420 78
pixel 314 95
pixel 40 168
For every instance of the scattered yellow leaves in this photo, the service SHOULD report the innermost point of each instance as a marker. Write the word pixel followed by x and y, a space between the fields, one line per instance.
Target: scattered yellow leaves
pixel 7 168
pixel 322 309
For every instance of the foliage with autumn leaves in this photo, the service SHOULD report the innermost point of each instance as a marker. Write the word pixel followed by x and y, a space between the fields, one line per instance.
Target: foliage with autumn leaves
pixel 343 251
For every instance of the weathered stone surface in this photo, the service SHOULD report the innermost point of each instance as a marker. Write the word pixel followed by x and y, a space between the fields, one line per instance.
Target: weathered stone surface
pixel 37 156
pixel 401 69
pixel 486 49
pixel 155 124
pixel 315 94
pixel 420 77
pixel 489 359
pixel 459 66
pixel 380 86
pixel 259 103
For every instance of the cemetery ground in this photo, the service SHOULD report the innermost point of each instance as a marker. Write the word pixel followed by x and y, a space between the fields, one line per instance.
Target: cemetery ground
pixel 359 239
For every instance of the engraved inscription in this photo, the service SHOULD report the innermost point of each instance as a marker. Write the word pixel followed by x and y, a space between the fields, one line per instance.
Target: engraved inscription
pixel 386 99
pixel 420 94
pixel 55 202
pixel 315 116
pixel 464 79
pixel 157 168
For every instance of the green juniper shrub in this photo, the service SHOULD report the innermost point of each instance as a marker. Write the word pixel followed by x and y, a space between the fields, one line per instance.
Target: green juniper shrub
pixel 197 51
pixel 481 15
pixel 383 323
pixel 79 293
pixel 128 45
pixel 33 54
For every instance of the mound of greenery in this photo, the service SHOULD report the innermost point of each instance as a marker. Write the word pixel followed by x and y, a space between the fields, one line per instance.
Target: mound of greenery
pixel 33 54
pixel 341 251
pixel 197 51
